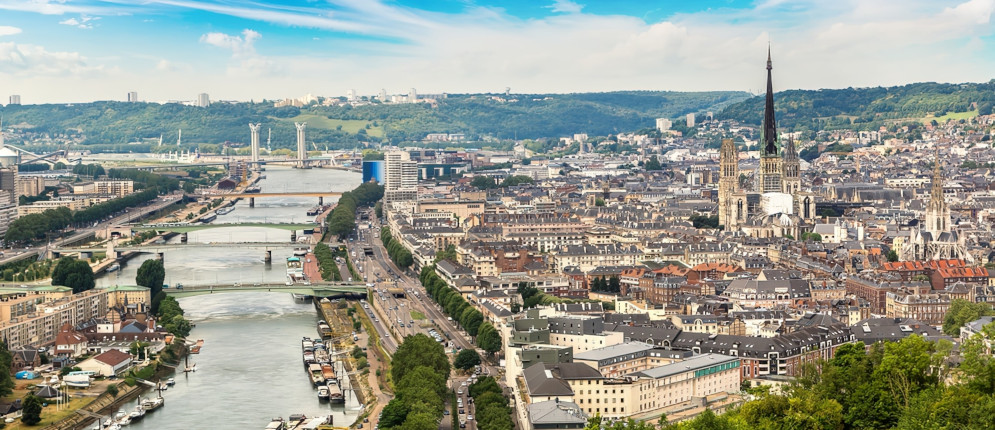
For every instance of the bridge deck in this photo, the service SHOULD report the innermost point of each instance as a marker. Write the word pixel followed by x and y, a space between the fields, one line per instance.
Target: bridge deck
pixel 317 289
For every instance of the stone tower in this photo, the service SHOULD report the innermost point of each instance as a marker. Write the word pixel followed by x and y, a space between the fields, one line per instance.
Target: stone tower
pixel 791 179
pixel 254 143
pixel 728 182
pixel 769 177
pixel 937 211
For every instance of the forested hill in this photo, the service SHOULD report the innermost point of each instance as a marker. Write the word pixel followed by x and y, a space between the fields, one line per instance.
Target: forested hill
pixel 866 108
pixel 521 116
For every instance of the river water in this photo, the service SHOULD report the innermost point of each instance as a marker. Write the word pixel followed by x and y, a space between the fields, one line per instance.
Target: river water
pixel 250 369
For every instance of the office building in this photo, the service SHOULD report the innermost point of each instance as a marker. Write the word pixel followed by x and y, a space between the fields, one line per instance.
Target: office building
pixel 690 120
pixel 203 100
pixel 133 97
pixel 14 100
pixel 373 170
pixel 400 177
pixel 412 96
pixel 351 95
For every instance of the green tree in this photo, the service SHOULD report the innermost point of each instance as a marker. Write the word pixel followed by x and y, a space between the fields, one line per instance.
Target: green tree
pixel 962 312
pixel 419 350
pixel 515 180
pixel 394 413
pixel 653 164
pixel 73 273
pixel 488 338
pixel 112 390
pixel 151 274
pixel 892 256
pixel 483 182
pixel 31 412
pixel 466 359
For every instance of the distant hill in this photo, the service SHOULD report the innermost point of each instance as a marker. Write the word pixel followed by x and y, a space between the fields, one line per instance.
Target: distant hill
pixel 866 108
pixel 528 116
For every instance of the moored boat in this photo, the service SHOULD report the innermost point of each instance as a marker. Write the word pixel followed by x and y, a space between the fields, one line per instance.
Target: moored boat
pixel 335 394
pixel 152 403
pixel 323 393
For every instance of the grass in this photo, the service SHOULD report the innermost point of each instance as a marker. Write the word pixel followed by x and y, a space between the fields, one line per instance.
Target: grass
pixel 952 115
pixel 348 125
pixel 415 315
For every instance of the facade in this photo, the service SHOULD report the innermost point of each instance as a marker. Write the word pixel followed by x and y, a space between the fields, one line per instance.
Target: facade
pixel 133 97
pixel 400 177
pixel 203 100
pixel 373 171
pixel 694 378
pixel 41 327
pixel 109 187
pixel 110 363
pixel 14 100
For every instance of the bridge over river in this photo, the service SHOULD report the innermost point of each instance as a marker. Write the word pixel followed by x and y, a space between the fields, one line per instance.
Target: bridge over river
pixel 317 289
pixel 186 228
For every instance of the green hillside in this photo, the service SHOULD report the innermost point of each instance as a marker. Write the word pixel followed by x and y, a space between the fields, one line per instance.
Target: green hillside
pixel 530 116
pixel 867 108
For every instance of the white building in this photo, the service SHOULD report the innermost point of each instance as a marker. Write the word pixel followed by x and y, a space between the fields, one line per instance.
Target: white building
pixel 14 100
pixel 400 177
pixel 133 97
pixel 110 363
pixel 690 120
pixel 663 124
pixel 203 100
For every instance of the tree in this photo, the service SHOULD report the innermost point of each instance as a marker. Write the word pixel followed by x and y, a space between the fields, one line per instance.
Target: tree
pixel 6 362
pixel 515 180
pixel 112 390
pixel 466 359
pixel 653 164
pixel 73 273
pixel 599 201
pixel 483 182
pixel 962 312
pixel 892 256
pixel 419 350
pixel 31 412
pixel 488 338
pixel 151 274
pixel 394 413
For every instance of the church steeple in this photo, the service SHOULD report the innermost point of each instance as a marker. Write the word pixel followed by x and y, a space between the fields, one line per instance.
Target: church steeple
pixel 937 211
pixel 769 133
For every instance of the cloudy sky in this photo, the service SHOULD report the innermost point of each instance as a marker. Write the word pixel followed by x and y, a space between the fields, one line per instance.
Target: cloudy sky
pixel 75 51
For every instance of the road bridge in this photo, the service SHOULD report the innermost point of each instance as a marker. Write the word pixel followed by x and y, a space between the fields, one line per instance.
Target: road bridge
pixel 186 228
pixel 319 289
pixel 244 195
pixel 162 247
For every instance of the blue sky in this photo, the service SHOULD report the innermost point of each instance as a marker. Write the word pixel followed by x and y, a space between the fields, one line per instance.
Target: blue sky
pixel 74 51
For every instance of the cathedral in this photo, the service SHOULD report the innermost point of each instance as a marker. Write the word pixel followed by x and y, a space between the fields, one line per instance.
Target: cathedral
pixel 937 240
pixel 776 206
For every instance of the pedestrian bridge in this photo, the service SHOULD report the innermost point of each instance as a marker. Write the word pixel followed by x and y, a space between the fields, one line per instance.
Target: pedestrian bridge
pixel 186 228
pixel 317 289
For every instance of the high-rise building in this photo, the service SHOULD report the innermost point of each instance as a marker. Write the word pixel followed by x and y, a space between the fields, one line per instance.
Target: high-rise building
pixel 663 124
pixel 373 171
pixel 412 96
pixel 203 100
pixel 14 100
pixel 351 95
pixel 400 177
pixel 133 97
pixel 690 120
pixel 383 95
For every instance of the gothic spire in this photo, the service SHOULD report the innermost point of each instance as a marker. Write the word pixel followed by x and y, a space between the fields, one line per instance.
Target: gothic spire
pixel 936 192
pixel 769 126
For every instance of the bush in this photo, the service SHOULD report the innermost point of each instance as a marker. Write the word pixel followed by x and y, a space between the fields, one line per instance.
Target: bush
pixel 112 390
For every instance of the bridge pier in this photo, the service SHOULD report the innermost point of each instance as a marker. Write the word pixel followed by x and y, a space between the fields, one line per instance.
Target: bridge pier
pixel 183 238
pixel 252 202
pixel 269 256
pixel 321 200
pixel 293 235
pixel 161 256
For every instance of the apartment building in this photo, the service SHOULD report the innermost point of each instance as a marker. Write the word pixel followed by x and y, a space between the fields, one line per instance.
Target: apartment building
pixel 42 326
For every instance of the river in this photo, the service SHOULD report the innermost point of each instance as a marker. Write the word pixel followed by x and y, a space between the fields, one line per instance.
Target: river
pixel 250 368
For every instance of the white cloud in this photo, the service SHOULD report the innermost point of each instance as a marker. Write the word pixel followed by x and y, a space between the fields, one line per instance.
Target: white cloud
pixel 244 61
pixel 565 6
pixel 85 22
pixel 24 60
pixel 6 30
pixel 239 45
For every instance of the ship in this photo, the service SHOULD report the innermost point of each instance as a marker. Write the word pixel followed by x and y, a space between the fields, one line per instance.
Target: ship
pixel 335 394
pixel 114 268
pixel 225 210
pixel 314 211
pixel 314 372
pixel 324 330
pixel 208 218
pixel 253 190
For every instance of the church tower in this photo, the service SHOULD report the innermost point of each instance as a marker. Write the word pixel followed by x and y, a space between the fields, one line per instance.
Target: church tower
pixel 769 179
pixel 791 175
pixel 728 182
pixel 937 211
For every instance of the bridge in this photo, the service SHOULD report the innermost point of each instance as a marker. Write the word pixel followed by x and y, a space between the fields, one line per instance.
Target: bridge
pixel 186 228
pixel 317 289
pixel 244 195
pixel 163 247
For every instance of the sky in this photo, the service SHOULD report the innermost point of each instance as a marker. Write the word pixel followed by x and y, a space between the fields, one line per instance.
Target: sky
pixel 62 51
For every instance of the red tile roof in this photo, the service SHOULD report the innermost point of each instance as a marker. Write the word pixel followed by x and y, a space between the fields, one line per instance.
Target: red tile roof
pixel 113 357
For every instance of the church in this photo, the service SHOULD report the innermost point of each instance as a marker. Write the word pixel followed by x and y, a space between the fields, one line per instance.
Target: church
pixel 776 206
pixel 938 240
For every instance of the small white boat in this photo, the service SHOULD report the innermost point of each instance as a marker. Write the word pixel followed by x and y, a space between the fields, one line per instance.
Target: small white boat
pixel 114 268
pixel 138 413
pixel 126 421
pixel 152 403
pixel 323 393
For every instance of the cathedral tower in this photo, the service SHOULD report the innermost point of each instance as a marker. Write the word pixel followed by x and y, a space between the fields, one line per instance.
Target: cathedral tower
pixel 728 182
pixel 769 179
pixel 937 211
pixel 791 176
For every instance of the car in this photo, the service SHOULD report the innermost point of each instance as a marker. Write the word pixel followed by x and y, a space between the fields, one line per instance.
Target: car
pixel 445 412
pixel 460 392
pixel 469 417
pixel 462 424
pixel 412 322
pixel 461 412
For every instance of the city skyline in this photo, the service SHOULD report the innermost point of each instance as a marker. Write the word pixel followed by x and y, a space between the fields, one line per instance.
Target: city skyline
pixel 79 51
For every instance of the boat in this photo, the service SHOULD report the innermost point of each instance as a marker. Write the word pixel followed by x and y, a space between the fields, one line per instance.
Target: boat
pixel 170 382
pixel 314 211
pixel 276 424
pixel 195 349
pixel 208 218
pixel 138 413
pixel 119 415
pixel 327 372
pixel 323 393
pixel 314 372
pixel 300 297
pixel 335 394
pixel 78 381
pixel 295 268
pixel 253 190
pixel 324 330
pixel 126 421
pixel 114 268
pixel 191 368
pixel 152 403
pixel 225 210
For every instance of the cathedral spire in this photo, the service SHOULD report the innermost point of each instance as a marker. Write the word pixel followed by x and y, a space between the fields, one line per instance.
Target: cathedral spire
pixel 769 135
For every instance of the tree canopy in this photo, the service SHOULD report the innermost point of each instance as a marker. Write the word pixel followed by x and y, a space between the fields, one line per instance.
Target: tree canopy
pixel 150 275
pixel 73 273
pixel 420 369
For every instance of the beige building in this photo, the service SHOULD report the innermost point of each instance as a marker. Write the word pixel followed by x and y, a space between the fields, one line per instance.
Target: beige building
pixel 124 295
pixel 30 185
pixel 39 207
pixel 108 187
pixel 42 326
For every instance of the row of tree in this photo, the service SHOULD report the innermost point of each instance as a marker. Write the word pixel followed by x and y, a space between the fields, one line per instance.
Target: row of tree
pixel 171 316
pixel 342 220
pixel 73 273
pixel 397 252
pixel 487 182
pixel 493 412
pixel 457 308
pixel 609 285
pixel 419 369
pixel 326 262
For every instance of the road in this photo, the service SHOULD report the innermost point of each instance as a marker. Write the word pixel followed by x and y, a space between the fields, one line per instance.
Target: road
pixel 127 216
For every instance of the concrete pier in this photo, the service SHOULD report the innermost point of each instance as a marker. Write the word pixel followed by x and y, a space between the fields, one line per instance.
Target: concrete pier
pixel 252 202
pixel 269 256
